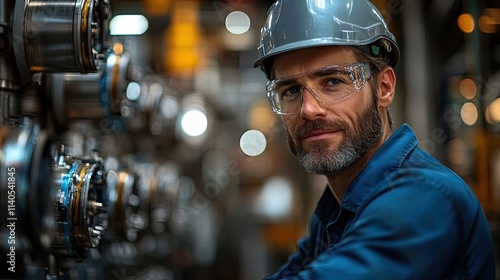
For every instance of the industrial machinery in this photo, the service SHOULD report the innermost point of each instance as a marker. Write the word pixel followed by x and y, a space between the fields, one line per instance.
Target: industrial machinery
pixel 71 209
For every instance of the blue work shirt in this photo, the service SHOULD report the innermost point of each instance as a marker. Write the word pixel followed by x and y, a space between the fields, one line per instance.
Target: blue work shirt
pixel 405 216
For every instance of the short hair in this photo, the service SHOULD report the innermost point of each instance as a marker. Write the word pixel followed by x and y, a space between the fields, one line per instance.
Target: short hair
pixel 376 64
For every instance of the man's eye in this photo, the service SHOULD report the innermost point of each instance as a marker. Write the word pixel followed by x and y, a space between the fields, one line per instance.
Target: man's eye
pixel 291 91
pixel 333 81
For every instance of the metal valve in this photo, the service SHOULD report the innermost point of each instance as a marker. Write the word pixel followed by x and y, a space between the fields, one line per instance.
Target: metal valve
pixel 81 218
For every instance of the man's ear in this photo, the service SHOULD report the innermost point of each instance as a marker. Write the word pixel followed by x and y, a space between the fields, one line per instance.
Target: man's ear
pixel 386 86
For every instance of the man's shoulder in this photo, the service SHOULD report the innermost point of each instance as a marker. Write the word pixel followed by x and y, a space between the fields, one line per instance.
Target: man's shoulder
pixel 421 174
pixel 420 164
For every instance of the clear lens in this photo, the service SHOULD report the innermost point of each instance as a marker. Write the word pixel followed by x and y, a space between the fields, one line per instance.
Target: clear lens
pixel 329 85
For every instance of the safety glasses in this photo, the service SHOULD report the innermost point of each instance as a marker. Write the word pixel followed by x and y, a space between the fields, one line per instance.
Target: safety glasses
pixel 328 85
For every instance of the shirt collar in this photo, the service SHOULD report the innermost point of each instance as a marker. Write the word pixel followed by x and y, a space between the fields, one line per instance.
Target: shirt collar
pixel 388 158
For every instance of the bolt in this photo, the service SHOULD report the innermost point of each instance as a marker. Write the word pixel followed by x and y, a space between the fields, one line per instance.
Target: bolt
pixel 94 207
pixel 95 237
pixel 95 233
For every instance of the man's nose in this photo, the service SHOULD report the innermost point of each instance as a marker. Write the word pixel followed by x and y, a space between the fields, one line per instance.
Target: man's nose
pixel 311 105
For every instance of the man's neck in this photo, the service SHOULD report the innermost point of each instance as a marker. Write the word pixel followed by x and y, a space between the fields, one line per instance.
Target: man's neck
pixel 339 182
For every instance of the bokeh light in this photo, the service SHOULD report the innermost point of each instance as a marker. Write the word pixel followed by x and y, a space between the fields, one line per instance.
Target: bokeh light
pixel 128 25
pixel 466 23
pixel 493 112
pixel 237 22
pixel 253 143
pixel 469 113
pixel 468 88
pixel 194 122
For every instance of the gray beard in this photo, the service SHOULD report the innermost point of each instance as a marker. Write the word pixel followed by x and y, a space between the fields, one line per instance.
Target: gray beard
pixel 319 160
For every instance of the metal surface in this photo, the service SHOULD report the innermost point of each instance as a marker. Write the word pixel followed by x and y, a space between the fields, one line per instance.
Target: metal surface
pixel 92 96
pixel 60 81
pixel 81 221
pixel 9 76
pixel 24 166
pixel 59 36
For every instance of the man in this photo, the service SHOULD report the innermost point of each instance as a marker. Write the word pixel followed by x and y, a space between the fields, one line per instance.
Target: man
pixel 390 211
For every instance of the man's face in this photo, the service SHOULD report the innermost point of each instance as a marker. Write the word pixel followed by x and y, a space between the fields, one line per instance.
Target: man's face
pixel 326 138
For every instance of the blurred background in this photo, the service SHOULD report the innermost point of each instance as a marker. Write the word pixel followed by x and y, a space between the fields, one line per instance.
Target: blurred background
pixel 146 126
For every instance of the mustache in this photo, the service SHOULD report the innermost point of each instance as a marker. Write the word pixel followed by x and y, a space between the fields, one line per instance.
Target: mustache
pixel 321 124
